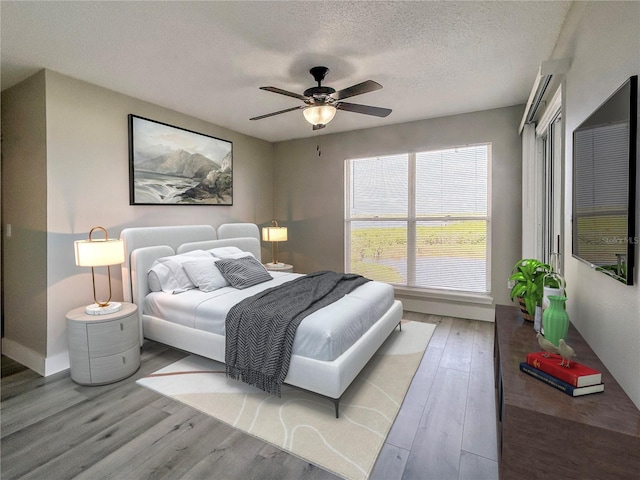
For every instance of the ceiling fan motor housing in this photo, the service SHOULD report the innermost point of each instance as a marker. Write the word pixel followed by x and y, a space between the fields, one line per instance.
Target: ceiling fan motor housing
pixel 319 92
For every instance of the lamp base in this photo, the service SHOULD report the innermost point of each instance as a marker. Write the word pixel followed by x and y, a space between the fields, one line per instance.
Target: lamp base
pixel 95 309
pixel 275 265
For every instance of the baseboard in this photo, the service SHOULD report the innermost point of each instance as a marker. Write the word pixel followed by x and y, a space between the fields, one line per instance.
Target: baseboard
pixel 56 363
pixel 33 360
pixel 476 311
pixel 23 355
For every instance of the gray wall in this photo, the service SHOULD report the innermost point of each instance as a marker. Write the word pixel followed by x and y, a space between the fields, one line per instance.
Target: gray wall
pixel 82 180
pixel 604 44
pixel 24 207
pixel 309 192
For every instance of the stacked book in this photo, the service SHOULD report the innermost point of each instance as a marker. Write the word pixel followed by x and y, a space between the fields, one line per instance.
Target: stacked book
pixel 575 380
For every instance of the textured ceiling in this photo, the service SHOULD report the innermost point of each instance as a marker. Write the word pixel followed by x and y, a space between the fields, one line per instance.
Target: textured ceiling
pixel 208 59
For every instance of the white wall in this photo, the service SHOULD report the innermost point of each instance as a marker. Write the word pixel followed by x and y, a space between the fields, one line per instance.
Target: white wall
pixel 309 193
pixel 87 184
pixel 603 40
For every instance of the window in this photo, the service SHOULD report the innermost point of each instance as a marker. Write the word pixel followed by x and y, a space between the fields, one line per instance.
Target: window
pixel 548 234
pixel 552 184
pixel 420 219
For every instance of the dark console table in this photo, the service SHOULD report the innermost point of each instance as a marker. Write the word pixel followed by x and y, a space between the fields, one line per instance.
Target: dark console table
pixel 544 433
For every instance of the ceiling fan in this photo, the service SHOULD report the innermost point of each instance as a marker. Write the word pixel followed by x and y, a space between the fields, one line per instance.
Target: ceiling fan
pixel 321 103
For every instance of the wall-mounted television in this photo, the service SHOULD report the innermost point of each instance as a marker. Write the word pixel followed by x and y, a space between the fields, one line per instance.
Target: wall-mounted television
pixel 605 152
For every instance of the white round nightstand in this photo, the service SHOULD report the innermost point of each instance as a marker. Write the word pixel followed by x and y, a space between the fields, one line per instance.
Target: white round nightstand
pixel 103 348
pixel 279 267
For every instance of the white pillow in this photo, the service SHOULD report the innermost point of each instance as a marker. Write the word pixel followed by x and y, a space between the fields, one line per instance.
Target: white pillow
pixel 224 252
pixel 167 274
pixel 240 255
pixel 204 274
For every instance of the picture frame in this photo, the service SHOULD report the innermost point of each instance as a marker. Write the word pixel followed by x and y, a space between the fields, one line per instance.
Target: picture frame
pixel 169 165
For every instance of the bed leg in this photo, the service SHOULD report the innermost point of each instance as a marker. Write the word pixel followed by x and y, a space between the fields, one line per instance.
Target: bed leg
pixel 336 403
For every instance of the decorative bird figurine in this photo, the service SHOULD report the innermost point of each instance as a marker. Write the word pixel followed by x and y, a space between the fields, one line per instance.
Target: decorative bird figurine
pixel 566 352
pixel 546 345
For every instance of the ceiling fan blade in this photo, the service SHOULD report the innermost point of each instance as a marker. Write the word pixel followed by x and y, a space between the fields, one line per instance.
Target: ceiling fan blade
pixel 366 109
pixel 277 113
pixel 359 89
pixel 285 92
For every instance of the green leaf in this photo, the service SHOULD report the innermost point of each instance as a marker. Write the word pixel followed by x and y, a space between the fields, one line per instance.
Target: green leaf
pixel 517 290
pixel 531 305
pixel 518 277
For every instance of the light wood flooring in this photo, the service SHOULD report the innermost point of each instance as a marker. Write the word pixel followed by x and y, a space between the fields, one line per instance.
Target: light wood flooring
pixel 55 429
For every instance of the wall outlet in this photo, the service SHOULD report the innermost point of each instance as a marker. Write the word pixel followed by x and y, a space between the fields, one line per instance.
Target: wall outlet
pixel 510 284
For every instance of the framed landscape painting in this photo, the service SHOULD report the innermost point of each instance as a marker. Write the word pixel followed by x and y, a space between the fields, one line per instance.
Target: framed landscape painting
pixel 172 166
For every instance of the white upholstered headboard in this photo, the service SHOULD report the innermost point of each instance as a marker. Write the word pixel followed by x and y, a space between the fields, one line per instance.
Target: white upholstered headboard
pixel 174 236
pixel 145 244
pixel 182 238
pixel 237 230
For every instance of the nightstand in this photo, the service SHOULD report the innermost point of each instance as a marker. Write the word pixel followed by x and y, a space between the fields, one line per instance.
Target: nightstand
pixel 279 267
pixel 103 348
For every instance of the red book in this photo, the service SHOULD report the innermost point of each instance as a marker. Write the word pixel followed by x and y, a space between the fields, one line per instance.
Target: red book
pixel 577 375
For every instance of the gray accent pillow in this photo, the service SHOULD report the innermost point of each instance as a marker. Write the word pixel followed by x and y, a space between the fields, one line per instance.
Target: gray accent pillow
pixel 243 272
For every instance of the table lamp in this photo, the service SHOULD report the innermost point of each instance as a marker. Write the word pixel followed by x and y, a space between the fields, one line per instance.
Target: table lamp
pixel 100 253
pixel 274 234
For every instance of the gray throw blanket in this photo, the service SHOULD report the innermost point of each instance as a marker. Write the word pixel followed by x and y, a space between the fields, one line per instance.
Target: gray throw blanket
pixel 260 329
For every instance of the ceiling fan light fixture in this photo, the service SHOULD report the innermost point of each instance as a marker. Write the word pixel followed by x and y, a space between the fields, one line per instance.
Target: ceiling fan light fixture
pixel 319 114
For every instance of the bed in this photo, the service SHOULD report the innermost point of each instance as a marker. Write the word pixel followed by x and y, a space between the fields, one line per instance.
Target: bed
pixel 191 321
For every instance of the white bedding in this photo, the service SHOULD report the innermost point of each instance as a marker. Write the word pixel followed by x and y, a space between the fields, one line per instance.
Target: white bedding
pixel 323 335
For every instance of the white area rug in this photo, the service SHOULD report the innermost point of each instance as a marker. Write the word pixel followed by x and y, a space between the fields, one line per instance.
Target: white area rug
pixel 302 423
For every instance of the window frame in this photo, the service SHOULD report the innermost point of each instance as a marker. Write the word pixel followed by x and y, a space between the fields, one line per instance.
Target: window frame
pixel 549 137
pixel 412 220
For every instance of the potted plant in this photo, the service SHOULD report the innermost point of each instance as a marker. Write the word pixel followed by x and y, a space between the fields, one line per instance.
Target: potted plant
pixel 528 277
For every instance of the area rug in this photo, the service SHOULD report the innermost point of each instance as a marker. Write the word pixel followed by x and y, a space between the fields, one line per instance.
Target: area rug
pixel 300 422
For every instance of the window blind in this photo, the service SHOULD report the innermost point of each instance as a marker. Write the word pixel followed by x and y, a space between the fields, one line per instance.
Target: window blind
pixel 420 219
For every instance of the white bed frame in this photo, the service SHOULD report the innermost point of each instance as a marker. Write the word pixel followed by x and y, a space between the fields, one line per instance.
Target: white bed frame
pixel 144 244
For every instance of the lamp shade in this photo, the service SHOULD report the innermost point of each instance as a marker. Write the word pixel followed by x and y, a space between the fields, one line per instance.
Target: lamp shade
pixel 274 234
pixel 319 114
pixel 99 253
